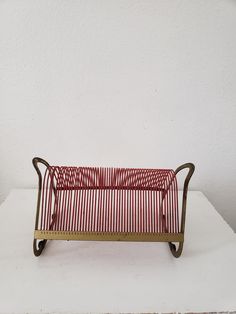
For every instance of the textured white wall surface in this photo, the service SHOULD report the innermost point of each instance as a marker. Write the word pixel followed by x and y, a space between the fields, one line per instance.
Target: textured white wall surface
pixel 120 83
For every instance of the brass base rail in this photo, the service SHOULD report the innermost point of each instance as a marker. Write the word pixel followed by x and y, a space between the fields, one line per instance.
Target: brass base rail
pixel 108 236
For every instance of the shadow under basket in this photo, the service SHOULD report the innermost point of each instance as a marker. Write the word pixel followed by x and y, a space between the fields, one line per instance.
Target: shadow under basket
pixel 110 204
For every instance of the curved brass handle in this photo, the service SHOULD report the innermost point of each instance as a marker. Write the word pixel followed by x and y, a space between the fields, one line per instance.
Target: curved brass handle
pixel 35 162
pixel 191 168
pixel 184 166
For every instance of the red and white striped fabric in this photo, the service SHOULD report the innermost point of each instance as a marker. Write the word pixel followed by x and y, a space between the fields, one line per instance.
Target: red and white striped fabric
pixel 109 200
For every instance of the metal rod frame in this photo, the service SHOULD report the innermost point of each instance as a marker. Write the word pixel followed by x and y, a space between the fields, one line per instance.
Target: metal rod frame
pixel 38 246
pixel 177 252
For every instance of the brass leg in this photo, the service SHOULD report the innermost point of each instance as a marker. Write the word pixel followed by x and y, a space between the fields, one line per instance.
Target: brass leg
pixel 176 252
pixel 38 246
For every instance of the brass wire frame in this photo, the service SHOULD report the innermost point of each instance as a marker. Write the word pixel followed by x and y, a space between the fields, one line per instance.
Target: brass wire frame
pixel 44 235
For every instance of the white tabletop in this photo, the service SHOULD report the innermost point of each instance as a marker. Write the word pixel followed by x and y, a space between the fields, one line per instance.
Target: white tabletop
pixel 116 277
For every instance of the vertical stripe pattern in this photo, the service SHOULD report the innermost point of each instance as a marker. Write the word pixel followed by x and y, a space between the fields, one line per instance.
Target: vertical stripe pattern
pixel 109 200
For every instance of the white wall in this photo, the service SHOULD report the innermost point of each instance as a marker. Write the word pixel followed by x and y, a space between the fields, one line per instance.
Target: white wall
pixel 120 83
